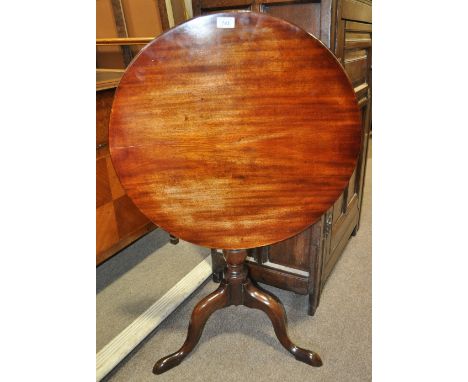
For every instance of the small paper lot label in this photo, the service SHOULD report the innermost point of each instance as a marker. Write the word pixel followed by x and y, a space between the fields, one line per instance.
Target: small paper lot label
pixel 225 22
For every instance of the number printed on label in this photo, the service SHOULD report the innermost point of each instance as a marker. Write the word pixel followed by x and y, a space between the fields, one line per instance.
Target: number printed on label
pixel 225 22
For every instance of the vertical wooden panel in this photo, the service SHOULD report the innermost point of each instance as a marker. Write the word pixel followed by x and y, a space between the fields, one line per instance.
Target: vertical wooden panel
pixel 103 191
pixel 293 252
pixel 143 19
pixel 104 100
pixel 164 13
pixel 178 11
pixel 116 188
pixel 356 10
pixel 357 53
pixel 351 187
pixel 327 23
pixel 305 15
pixel 355 63
pixel 106 227
pixel 107 56
pixel 121 26
pixel 338 208
pixel 118 222
pixel 128 217
pixel 363 159
pixel 140 18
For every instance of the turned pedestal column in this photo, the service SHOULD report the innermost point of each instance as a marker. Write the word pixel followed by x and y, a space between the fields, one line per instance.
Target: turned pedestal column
pixel 235 131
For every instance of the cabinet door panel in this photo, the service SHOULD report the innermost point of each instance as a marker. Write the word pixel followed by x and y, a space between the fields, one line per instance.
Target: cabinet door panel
pixel 337 220
pixel 293 252
pixel 357 40
pixel 357 62
pixel 356 66
pixel 338 208
pixel 340 237
pixel 305 15
pixel 361 166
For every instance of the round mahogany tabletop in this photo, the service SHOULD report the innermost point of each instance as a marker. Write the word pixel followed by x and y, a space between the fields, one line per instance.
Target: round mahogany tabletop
pixel 234 130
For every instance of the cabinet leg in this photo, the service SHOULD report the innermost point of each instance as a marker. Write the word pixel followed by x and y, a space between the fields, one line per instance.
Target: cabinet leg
pixel 312 305
pixel 173 240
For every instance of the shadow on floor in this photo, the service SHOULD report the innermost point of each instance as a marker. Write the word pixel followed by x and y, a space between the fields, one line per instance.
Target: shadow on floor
pixel 129 257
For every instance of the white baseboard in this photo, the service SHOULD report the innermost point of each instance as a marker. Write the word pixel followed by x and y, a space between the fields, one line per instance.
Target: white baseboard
pixel 116 350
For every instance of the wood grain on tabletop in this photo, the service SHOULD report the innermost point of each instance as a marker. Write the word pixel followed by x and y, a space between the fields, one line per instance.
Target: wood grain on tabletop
pixel 234 137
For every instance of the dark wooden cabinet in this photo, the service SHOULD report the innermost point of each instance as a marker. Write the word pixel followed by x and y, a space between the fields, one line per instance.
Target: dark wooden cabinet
pixel 304 262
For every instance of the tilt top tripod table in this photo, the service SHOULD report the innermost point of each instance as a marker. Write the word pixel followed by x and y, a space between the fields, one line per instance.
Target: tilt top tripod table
pixel 235 131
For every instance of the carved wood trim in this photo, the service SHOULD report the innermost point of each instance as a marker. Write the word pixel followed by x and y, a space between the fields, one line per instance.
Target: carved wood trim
pixel 357 11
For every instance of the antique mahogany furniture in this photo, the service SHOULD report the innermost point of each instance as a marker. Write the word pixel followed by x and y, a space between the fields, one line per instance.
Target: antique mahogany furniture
pixel 118 221
pixel 304 262
pixel 235 131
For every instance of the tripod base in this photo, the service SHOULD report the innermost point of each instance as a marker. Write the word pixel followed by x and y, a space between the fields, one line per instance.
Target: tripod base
pixel 236 289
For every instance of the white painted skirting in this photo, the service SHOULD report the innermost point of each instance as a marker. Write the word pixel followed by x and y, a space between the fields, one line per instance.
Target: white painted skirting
pixel 116 350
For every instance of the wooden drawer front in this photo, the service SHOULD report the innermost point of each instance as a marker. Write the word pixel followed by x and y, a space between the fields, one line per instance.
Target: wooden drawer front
pixel 358 10
pixel 354 39
pixel 356 65
pixel 118 220
pixel 356 53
